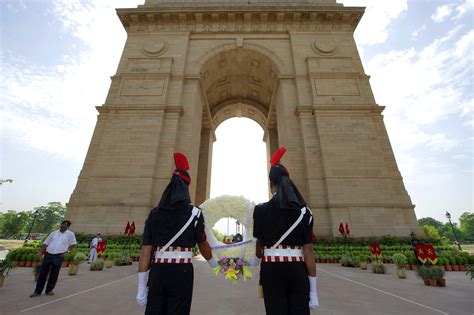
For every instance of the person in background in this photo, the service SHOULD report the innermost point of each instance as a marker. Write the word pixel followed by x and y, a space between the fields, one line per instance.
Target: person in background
pixel 93 251
pixel 55 246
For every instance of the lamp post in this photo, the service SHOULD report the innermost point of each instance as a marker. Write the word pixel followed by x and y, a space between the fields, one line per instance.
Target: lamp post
pixel 448 215
pixel 31 226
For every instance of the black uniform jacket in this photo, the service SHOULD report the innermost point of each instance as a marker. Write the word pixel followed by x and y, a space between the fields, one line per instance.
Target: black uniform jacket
pixel 162 224
pixel 271 222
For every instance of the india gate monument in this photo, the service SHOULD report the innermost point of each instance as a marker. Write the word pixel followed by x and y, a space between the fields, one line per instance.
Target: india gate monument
pixel 292 66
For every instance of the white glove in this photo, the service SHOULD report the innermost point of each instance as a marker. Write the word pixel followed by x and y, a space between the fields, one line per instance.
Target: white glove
pixel 142 292
pixel 212 263
pixel 313 293
pixel 255 262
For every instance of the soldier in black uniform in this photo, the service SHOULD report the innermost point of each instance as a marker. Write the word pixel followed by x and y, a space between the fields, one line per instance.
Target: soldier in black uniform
pixel 288 271
pixel 171 272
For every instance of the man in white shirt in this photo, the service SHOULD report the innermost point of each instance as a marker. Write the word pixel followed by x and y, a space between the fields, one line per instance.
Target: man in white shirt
pixel 55 246
pixel 93 252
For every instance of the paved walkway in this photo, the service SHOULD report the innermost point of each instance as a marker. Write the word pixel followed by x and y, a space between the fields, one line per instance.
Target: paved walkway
pixel 341 291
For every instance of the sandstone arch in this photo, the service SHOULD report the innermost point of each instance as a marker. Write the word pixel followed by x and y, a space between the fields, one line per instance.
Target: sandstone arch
pixel 292 66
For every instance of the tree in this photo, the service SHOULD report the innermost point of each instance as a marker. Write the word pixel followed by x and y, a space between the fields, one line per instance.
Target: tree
pixel 432 233
pixel 13 223
pixel 430 221
pixel 48 217
pixel 2 181
pixel 466 221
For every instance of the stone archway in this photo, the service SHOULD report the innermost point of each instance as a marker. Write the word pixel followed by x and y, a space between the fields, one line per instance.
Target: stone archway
pixel 292 66
pixel 236 82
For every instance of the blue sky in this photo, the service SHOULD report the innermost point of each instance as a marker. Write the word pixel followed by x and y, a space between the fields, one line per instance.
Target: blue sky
pixel 57 57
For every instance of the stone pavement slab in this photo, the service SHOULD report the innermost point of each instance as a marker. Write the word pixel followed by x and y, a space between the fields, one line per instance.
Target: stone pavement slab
pixel 341 291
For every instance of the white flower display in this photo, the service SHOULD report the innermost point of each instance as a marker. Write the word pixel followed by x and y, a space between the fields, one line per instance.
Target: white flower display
pixel 236 207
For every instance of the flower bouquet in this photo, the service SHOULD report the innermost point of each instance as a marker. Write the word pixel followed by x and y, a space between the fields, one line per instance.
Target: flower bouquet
pixel 233 269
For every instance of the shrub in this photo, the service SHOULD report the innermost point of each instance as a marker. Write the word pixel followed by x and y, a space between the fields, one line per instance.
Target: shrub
pixel 437 272
pixel 97 264
pixel 31 257
pixel 400 260
pixel 79 258
pixel 378 267
pixel 425 272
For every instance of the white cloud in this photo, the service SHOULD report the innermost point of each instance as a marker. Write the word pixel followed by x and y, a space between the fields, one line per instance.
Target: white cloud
pixel 374 26
pixel 442 12
pixel 463 8
pixel 53 108
pixel 423 88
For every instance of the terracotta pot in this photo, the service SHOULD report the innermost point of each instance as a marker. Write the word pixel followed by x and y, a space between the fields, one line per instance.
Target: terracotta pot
pixel 414 267
pixel 432 282
pixel 64 264
pixel 22 264
pixel 441 282
pixel 442 267
pixel 34 263
pixel 426 282
pixel 28 264
pixel 408 267
pixel 455 267
pixel 462 268
pixel 448 267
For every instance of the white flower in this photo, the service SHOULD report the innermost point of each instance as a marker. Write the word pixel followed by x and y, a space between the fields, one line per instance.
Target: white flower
pixel 236 207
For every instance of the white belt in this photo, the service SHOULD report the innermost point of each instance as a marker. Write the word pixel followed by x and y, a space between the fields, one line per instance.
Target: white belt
pixel 283 252
pixel 173 255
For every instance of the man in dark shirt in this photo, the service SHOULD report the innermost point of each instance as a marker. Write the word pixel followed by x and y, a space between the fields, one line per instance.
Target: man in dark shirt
pixel 171 230
pixel 288 270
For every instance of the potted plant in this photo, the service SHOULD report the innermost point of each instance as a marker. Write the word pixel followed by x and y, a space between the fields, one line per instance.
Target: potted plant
pixel 35 261
pixel 5 266
pixel 22 260
pixel 447 264
pixel 29 260
pixel 412 260
pixel 97 265
pixel 78 259
pixel 347 260
pixel 65 262
pixel 453 263
pixel 461 263
pixel 438 274
pixel 110 261
pixel 401 261
pixel 378 267
pixel 363 262
pixel 426 273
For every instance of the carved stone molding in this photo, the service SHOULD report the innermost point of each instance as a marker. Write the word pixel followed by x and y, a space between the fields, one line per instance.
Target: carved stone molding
pixel 265 20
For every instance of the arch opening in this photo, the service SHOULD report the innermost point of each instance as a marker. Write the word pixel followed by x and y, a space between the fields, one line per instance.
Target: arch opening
pixel 237 82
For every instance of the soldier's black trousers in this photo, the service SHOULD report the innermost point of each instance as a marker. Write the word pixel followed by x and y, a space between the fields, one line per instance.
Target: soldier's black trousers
pixel 285 288
pixel 171 289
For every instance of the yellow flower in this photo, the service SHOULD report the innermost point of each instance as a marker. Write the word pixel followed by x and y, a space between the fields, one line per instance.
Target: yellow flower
pixel 216 270
pixel 246 273
pixel 231 274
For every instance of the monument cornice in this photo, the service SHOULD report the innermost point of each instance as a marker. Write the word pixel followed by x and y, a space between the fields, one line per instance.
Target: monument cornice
pixel 241 19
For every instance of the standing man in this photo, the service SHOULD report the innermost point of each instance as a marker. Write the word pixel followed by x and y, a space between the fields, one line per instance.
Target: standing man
pixel 56 245
pixel 93 251
pixel 283 227
pixel 171 231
